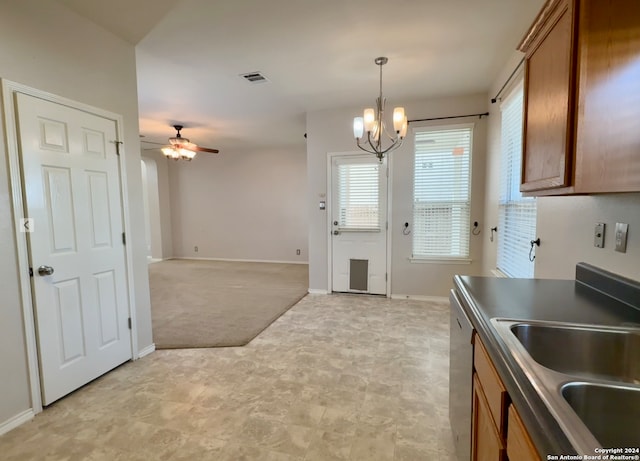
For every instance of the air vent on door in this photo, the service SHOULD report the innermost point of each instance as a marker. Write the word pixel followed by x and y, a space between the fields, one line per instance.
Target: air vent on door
pixel 254 77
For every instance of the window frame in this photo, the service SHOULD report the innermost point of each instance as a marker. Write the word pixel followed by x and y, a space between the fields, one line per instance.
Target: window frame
pixel 506 197
pixel 443 259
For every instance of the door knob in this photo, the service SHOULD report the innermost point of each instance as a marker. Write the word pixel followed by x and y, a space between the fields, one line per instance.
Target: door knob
pixel 336 232
pixel 45 270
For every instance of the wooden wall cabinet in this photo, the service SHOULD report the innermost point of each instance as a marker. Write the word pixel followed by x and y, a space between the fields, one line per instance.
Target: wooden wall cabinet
pixel 608 120
pixel 582 98
pixel 497 432
pixel 549 99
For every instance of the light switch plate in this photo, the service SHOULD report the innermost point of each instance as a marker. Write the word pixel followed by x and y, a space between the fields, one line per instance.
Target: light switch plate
pixel 621 237
pixel 598 235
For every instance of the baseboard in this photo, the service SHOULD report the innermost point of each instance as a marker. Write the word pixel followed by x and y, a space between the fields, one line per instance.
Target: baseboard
pixel 315 291
pixel 242 260
pixel 439 299
pixel 146 351
pixel 155 260
pixel 16 421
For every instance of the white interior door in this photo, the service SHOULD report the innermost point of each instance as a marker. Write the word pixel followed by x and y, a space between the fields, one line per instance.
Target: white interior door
pixel 72 193
pixel 358 224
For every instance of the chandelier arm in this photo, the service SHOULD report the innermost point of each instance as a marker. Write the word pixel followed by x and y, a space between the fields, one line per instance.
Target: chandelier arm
pixel 386 132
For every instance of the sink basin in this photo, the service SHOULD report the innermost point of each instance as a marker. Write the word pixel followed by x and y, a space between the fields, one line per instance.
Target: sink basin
pixel 587 376
pixel 583 351
pixel 610 412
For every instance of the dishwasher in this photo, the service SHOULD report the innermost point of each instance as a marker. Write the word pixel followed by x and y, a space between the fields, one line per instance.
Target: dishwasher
pixel 460 377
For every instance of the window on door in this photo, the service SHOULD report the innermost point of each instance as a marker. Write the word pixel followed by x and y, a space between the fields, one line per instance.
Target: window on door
pixel 442 192
pixel 358 196
pixel 517 214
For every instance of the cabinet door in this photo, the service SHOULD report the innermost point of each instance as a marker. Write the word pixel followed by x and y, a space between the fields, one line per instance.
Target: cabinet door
pixel 519 444
pixel 549 102
pixel 486 444
pixel 608 134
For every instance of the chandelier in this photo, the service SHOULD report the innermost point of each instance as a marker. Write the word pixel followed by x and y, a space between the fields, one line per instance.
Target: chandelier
pixel 373 124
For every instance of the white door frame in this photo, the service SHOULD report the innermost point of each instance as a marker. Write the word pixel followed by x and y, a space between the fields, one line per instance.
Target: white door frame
pixel 15 178
pixel 329 202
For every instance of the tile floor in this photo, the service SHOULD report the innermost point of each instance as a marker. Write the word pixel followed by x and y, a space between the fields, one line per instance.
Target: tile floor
pixel 338 377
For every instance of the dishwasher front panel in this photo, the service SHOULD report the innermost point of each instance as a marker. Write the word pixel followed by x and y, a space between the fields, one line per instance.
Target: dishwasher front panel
pixel 460 378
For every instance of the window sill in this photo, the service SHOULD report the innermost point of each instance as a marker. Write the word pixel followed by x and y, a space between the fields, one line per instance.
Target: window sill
pixel 440 261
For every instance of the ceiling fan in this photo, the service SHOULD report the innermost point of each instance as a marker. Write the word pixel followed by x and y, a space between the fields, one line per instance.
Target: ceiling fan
pixel 182 148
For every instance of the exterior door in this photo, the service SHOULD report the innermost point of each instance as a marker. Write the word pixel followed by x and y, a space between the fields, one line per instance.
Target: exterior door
pixel 359 224
pixel 72 193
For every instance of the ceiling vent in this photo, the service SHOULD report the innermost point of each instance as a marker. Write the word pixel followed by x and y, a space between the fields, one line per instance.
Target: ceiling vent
pixel 254 77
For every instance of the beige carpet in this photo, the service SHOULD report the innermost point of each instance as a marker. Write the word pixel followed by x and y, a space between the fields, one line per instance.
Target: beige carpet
pixel 219 303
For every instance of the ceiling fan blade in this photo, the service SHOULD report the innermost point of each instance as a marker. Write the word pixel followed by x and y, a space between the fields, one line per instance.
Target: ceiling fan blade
pixel 204 149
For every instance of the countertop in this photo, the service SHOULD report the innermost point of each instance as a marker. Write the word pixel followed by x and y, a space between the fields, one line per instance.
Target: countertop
pixel 572 301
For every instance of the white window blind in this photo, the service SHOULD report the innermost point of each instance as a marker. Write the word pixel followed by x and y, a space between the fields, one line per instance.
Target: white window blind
pixel 517 214
pixel 358 196
pixel 442 192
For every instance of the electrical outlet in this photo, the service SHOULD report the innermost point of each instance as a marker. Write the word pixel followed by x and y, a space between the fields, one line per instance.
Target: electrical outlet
pixel 621 237
pixel 298 252
pixel 598 235
pixel 195 249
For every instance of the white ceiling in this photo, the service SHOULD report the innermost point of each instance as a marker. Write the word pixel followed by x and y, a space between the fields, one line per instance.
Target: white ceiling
pixel 316 54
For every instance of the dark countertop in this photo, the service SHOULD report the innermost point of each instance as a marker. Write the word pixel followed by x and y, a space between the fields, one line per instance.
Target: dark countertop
pixel 484 298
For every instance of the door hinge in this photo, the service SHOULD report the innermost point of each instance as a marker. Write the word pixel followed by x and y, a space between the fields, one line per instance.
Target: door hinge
pixel 129 323
pixel 31 272
pixel 386 276
pixel 386 225
pixel 124 239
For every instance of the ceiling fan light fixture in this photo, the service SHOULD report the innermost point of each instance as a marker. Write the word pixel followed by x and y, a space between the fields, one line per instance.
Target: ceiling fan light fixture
pixel 170 152
pixel 180 148
pixel 176 152
pixel 186 154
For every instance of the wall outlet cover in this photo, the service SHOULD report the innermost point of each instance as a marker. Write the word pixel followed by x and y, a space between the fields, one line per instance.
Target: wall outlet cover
pixel 598 235
pixel 621 237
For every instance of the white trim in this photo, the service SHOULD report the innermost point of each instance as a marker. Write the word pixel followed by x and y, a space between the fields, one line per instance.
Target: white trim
pixel 316 291
pixel 389 228
pixel 15 177
pixel 440 299
pixel 147 350
pixel 124 199
pixel 16 421
pixel 439 261
pixel 499 274
pixel 239 260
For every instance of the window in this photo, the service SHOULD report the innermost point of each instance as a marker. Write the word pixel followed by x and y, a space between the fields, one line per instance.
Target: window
pixel 358 196
pixel 442 192
pixel 517 214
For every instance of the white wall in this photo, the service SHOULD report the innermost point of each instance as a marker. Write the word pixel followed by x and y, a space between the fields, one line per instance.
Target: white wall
pixel 45 46
pixel 565 225
pixel 330 131
pixel 160 204
pixel 245 205
pixel 152 213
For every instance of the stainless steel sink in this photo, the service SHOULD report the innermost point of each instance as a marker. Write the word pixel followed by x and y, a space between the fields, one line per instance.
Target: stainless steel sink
pixel 587 376
pixel 583 351
pixel 610 412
